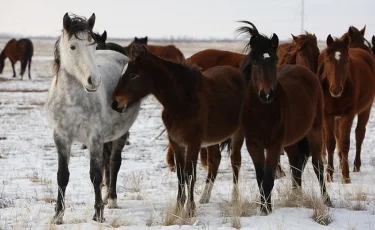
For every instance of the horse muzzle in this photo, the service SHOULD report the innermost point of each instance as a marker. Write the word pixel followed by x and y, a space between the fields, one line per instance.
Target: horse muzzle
pixel 266 98
pixel 336 92
pixel 115 106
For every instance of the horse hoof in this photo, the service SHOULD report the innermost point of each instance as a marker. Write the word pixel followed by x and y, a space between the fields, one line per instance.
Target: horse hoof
pixel 191 209
pixel 57 220
pixel 279 174
pixel 204 200
pixel 112 204
pixel 346 181
pixel 98 218
pixel 328 202
pixel 172 168
pixel 329 177
pixel 356 169
pixel 264 211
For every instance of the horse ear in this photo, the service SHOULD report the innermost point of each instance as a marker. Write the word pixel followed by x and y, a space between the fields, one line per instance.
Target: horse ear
pixel 330 40
pixel 373 40
pixel 346 41
pixel 104 35
pixel 91 21
pixel 146 39
pixel 274 41
pixel 294 37
pixel 67 21
pixel 351 31
pixel 135 39
pixel 363 30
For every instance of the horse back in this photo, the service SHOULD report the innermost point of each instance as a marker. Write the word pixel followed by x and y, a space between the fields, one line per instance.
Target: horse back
pixel 169 52
pixel 25 49
pixel 210 57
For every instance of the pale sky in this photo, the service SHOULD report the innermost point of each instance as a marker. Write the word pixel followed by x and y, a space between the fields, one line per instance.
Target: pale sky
pixel 192 18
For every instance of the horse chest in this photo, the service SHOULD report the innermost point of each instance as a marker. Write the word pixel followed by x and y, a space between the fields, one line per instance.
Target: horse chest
pixel 337 106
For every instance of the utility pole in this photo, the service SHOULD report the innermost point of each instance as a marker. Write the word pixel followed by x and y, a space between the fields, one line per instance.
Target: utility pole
pixel 302 16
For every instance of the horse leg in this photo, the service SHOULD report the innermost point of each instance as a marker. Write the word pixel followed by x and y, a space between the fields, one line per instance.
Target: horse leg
pixel 14 71
pixel 63 146
pixel 360 133
pixel 256 152
pixel 96 157
pixel 107 149
pixel 329 128
pixel 273 154
pixel 115 164
pixel 298 154
pixel 235 158
pixel 214 157
pixel 29 67
pixel 23 67
pixel 192 152
pixel 203 155
pixel 344 145
pixel 279 170
pixel 179 154
pixel 170 159
pixel 315 139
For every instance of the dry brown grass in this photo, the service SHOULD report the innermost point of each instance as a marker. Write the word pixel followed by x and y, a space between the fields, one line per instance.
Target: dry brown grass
pixel 305 199
pixel 177 215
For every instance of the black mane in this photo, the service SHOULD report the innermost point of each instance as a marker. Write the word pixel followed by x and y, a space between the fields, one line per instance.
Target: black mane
pixel 263 44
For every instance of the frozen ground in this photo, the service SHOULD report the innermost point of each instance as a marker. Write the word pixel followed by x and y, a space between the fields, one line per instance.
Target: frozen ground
pixel 146 188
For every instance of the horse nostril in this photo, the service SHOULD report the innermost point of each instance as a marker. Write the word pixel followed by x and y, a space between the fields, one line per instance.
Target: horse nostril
pixel 89 80
pixel 114 104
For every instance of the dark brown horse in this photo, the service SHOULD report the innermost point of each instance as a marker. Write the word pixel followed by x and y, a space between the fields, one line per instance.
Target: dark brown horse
pixel 200 110
pixel 348 80
pixel 206 59
pixel 169 52
pixel 303 51
pixel 283 108
pixel 21 50
pixel 357 38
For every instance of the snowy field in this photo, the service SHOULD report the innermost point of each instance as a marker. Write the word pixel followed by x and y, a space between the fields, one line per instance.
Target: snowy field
pixel 147 190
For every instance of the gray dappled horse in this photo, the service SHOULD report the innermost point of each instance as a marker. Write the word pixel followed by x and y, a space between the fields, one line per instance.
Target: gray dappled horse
pixel 78 109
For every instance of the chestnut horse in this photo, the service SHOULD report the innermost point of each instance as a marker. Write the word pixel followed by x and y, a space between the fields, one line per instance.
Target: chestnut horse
pixel 21 50
pixel 169 52
pixel 206 59
pixel 200 110
pixel 357 38
pixel 303 51
pixel 348 79
pixel 283 108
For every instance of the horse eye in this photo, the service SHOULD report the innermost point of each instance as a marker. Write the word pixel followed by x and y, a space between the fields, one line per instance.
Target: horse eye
pixel 72 47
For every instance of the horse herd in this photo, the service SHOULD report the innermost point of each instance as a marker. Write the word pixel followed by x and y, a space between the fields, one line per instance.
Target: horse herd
pixel 289 97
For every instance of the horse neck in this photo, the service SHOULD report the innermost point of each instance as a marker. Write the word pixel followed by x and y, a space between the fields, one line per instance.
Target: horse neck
pixel 167 88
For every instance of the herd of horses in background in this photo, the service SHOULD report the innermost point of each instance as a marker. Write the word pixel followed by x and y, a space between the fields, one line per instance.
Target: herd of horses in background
pixel 288 97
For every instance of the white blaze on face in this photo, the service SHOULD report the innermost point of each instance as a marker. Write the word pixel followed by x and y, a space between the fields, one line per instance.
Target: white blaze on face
pixel 337 55
pixel 266 55
pixel 124 70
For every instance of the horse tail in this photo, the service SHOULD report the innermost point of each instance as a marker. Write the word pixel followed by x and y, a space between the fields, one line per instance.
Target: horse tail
pixel 304 147
pixel 226 144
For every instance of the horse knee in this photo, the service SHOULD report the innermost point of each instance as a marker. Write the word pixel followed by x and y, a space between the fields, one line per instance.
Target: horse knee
pixel 96 176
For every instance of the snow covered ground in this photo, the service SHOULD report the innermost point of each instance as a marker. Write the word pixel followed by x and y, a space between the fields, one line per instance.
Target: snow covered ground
pixel 146 188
